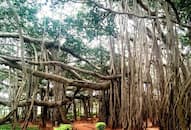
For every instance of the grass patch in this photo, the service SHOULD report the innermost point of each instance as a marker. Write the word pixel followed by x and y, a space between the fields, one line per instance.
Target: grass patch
pixel 8 127
pixel 63 127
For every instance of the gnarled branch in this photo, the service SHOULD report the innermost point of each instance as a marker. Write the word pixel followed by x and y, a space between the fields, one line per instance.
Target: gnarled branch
pixel 70 82
pixel 64 66
pixel 48 44
pixel 37 103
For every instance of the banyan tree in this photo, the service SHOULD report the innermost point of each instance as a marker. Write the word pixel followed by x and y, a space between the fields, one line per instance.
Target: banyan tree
pixel 128 60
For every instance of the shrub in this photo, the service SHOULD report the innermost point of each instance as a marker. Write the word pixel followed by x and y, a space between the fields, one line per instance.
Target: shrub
pixel 100 126
pixel 65 127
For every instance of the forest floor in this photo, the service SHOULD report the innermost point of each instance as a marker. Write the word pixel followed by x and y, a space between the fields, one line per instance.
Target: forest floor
pixel 86 125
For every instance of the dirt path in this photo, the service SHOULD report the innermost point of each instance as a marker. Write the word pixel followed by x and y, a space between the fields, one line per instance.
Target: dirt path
pixel 91 126
pixel 82 125
pixel 86 126
pixel 155 128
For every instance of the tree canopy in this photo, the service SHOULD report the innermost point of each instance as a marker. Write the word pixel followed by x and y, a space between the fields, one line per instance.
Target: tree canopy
pixel 132 56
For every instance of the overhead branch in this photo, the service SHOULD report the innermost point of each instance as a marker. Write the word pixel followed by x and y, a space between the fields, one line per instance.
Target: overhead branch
pixel 27 39
pixel 127 13
pixel 57 78
pixel 44 103
pixel 75 74
pixel 77 56
pixel 174 9
pixel 37 103
pixel 64 66
pixel 48 44
pixel 145 7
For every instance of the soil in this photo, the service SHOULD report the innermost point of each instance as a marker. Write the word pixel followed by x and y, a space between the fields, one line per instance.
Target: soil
pixel 84 125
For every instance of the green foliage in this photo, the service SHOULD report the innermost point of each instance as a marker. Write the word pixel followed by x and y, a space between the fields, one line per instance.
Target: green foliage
pixel 88 24
pixel 185 40
pixel 26 11
pixel 8 127
pixel 65 127
pixel 100 126
pixel 184 10
pixel 32 128
pixel 79 114
pixel 3 76
pixel 93 22
pixel 102 56
pixel 76 44
pixel 70 116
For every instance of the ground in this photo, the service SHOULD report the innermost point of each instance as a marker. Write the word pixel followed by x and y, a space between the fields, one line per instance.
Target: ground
pixel 90 125
pixel 77 125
